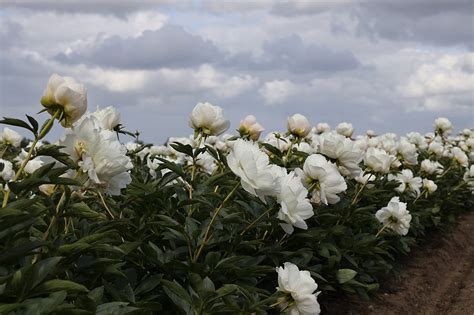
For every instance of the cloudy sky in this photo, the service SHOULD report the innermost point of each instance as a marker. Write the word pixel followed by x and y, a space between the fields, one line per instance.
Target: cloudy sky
pixel 385 65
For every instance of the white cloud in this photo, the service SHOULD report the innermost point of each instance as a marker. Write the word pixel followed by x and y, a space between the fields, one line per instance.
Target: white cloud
pixel 206 78
pixel 120 81
pixel 277 92
pixel 446 82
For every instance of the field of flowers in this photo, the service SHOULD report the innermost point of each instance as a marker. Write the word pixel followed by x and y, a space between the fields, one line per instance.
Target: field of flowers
pixel 100 223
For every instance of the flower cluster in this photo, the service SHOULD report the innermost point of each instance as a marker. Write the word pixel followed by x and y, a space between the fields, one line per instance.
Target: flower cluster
pixel 198 224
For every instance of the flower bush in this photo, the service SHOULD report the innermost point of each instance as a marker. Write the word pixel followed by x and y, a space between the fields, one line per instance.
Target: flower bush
pixel 100 223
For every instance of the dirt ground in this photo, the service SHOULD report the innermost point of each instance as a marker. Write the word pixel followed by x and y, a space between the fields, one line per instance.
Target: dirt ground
pixel 437 278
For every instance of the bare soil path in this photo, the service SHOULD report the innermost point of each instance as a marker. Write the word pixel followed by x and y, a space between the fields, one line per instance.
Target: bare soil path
pixel 437 278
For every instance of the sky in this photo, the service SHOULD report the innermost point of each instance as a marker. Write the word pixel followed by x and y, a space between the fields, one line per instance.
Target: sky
pixel 385 65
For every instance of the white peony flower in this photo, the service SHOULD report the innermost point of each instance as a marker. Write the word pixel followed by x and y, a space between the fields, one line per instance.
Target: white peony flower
pixel 436 148
pixel 408 151
pixel 429 185
pixel 378 160
pixel 295 206
pixel 365 179
pixel 247 161
pixel 108 117
pixel 469 178
pixel 323 178
pixel 442 125
pixel 395 216
pixel 431 167
pixel 460 157
pixel 407 182
pixel 281 143
pixel 206 162
pixel 298 125
pixel 10 137
pixel 67 94
pixel 342 149
pixel 299 288
pixel 99 154
pixel 6 170
pixel 345 129
pixel 33 165
pixel 389 143
pixel 208 119
pixel 250 127
pixel 322 127
pixel 304 147
pixel 417 139
pixel 370 133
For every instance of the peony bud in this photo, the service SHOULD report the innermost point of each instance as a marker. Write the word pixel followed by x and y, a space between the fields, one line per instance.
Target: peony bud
pixel 66 94
pixel 345 129
pixel 429 185
pixel 322 127
pixel 208 119
pixel 442 125
pixel 250 127
pixel 298 125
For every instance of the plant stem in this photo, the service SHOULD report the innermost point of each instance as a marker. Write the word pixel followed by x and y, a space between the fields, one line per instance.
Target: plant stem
pixel 105 205
pixel 214 216
pixel 382 229
pixel 354 201
pixel 193 169
pixel 255 221
pixel 445 172
pixel 41 135
pixel 53 220
pixel 287 156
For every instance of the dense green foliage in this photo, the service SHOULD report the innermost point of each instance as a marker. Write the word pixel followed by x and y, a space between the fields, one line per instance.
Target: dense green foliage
pixel 191 242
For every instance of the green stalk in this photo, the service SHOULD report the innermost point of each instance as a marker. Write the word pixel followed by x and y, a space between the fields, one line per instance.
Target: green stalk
pixel 40 136
pixel 214 216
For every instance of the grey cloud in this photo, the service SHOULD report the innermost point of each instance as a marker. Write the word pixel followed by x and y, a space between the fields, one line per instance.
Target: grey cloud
pixel 119 8
pixel 419 8
pixel 436 22
pixel 444 29
pixel 168 47
pixel 433 22
pixel 295 8
pixel 298 57
pixel 10 34
pixel 292 54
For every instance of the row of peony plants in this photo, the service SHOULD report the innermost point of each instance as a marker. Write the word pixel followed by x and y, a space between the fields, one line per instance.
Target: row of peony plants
pixel 212 223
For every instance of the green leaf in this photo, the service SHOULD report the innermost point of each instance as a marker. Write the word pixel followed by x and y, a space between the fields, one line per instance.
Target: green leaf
pixel 96 294
pixel 7 308
pixel 22 250
pixel 178 295
pixel 59 285
pixel 186 149
pixel 82 210
pixel 17 227
pixel 74 248
pixel 171 166
pixel 54 152
pixel 115 308
pixel 42 269
pixel 16 122
pixel 344 275
pixel 148 284
pixel 33 123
